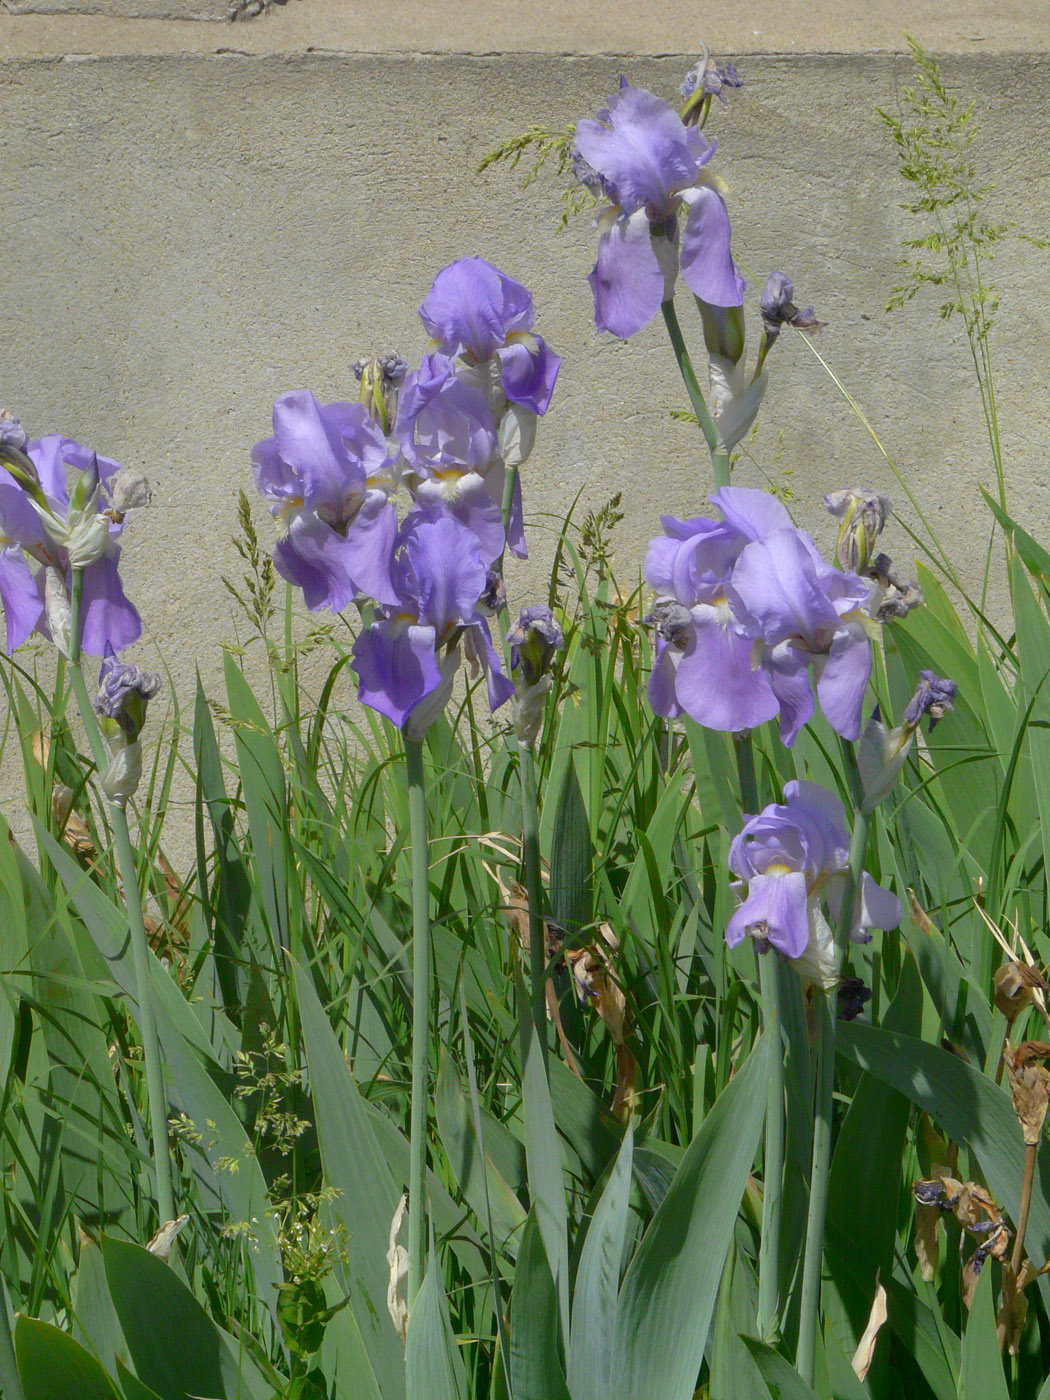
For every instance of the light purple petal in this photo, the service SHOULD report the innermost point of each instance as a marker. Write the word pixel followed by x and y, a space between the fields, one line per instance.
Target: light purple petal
pixel 876 908
pixel 775 909
pixel 662 681
pixel 776 594
pixel 443 561
pixel 20 597
pixel 443 422
pixel 396 667
pixel 754 513
pixel 110 619
pixel 467 498
pixel 48 458
pixel 716 684
pixel 18 520
pixel 369 546
pixel 309 436
pixel 706 261
pixel 644 152
pixel 473 307
pixel 788 675
pixel 627 281
pixel 528 369
pixel 843 679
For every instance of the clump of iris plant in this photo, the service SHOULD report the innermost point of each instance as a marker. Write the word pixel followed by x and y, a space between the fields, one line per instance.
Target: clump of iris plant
pixel 791 863
pixel 62 508
pixel 754 622
pixel 453 433
pixel 663 215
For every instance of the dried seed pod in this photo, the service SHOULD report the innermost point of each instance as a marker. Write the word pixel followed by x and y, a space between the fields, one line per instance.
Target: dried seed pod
pixel 1015 983
pixel 1029 1086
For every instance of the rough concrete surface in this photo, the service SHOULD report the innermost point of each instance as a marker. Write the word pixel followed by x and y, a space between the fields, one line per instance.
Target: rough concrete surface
pixel 187 236
pixel 545 26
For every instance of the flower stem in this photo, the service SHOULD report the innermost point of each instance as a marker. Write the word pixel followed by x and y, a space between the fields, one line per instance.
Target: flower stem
pixel 1026 1201
pixel 719 457
pixel 126 868
pixel 825 1085
pixel 818 1190
pixel 417 1163
pixel 773 1164
pixel 534 890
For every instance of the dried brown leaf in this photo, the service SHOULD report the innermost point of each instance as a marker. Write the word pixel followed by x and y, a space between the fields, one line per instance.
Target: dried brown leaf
pixel 865 1353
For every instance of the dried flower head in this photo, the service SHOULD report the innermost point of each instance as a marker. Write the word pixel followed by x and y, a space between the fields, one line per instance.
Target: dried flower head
pixel 1029 1086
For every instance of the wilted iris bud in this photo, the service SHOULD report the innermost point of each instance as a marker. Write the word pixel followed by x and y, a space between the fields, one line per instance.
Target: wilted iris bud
pixel 534 639
pixel 862 515
pixel 896 596
pixel 123 694
pixel 934 696
pixel 706 79
pixel 494 597
pixel 672 622
pixel 778 308
pixel 881 752
pixel 380 379
pixel 12 434
pixel 1015 986
pixel 852 996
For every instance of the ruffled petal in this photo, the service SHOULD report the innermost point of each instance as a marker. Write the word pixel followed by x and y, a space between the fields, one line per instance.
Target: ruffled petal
pixel 706 261
pixel 789 680
pixel 20 597
pixel 627 280
pixel 716 684
pixel 641 149
pixel 467 498
pixel 776 594
pixel 470 305
pixel 754 513
pixel 444 562
pixel 529 370
pixel 776 910
pixel 843 680
pixel 396 667
pixel 109 618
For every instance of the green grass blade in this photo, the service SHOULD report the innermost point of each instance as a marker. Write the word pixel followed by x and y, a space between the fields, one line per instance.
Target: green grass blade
pixel 367 1197
pixel 535 1370
pixel 433 1366
pixel 982 1375
pixel 671 1286
pixel 598 1284
pixel 52 1366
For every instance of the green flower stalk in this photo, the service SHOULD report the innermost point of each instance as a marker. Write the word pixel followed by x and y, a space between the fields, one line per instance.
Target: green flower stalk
pixel 121 708
pixel 534 641
pixel 417 1163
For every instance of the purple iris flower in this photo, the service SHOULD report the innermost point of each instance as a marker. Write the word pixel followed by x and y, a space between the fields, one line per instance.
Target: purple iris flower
pixel 406 660
pixel 790 860
pixel 448 439
pixel 328 472
pixel 663 212
pixel 766 615
pixel 43 521
pixel 476 311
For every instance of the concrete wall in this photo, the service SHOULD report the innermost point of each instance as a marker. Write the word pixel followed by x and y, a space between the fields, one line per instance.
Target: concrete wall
pixel 199 216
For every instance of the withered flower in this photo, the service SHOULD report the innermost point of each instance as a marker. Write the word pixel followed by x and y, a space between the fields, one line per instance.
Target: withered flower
pixel 1029 1086
pixel 1015 986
